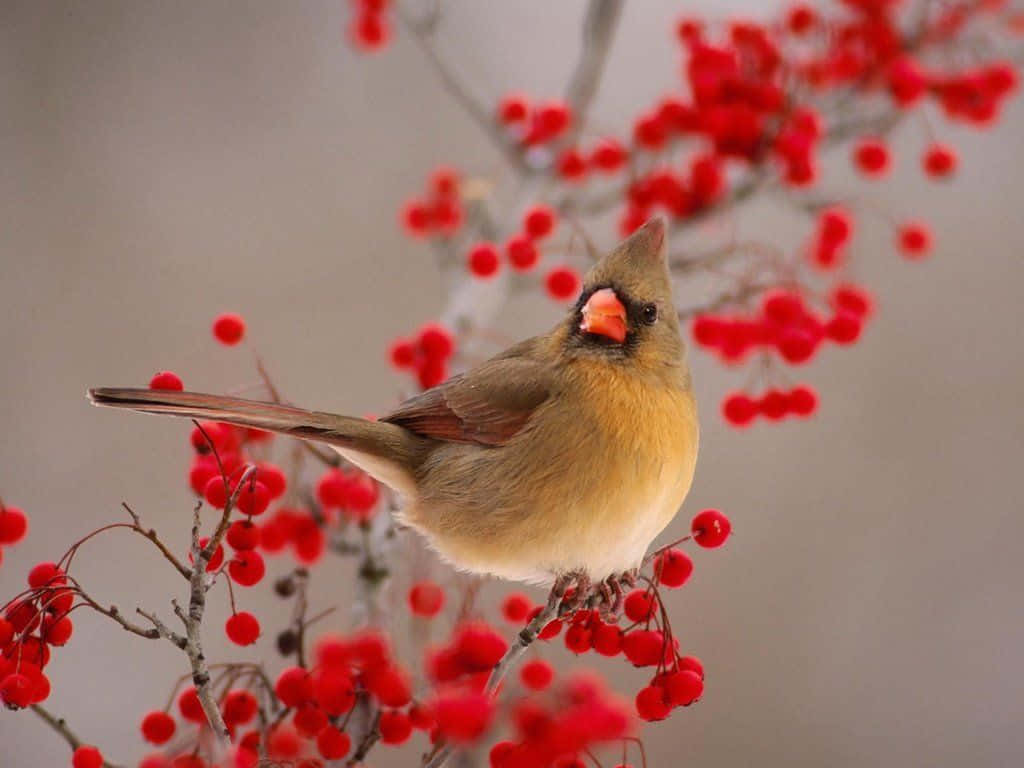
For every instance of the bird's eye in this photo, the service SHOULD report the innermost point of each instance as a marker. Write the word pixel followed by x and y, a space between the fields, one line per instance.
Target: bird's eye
pixel 649 314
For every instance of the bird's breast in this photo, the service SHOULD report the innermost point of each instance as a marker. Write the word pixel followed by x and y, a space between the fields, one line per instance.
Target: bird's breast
pixel 592 480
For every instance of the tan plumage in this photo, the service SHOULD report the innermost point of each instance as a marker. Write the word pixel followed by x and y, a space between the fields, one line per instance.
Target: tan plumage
pixel 568 452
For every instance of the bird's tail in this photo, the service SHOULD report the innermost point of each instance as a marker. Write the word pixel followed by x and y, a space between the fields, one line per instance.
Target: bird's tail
pixel 380 439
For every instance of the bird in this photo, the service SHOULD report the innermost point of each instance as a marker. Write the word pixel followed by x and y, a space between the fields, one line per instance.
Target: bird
pixel 565 455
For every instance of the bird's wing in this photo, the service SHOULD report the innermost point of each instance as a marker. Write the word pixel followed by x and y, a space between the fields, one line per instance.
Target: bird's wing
pixel 487 405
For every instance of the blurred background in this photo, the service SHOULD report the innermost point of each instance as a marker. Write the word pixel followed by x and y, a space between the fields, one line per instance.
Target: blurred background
pixel 164 162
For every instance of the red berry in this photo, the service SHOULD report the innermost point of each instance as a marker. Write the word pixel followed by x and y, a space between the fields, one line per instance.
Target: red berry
pixel 607 639
pixel 242 628
pixel 673 567
pixel 502 754
pixel 253 499
pixel 513 108
pixel 796 345
pixel 242 535
pixel 915 240
pixel 229 328
pixel 515 607
pixel 939 160
pixel 370 31
pixel 710 528
pixel 651 703
pixel 800 19
pixel 640 605
pixel 773 405
pixel 835 226
pixel 479 646
pixel 803 401
pixel 309 719
pixel 294 686
pixel 572 165
pixel 215 492
pixel 851 298
pixel 693 664
pixel 643 647
pixel 334 691
pixel 435 341
pixel 87 757
pixel 390 684
pixel 416 218
pixel 444 181
pixel 551 119
pixel 13 525
pixel 683 687
pixel 483 260
pixel 333 744
pixel 650 132
pixel 402 353
pixel 56 631
pixel 872 157
pixel 239 707
pixel 189 706
pixel 46 575
pixel 562 283
pixel 579 638
pixel 395 727
pixel 907 81
pixel 16 691
pixel 158 727
pixel 536 674
pixel 739 409
pixel 521 252
pixel 431 372
pixel 23 616
pixel 247 568
pixel 332 488
pixel 273 477
pixel 608 156
pixel 166 380
pixel 426 599
pixel 844 328
pixel 215 559
pixel 463 717
pixel 539 221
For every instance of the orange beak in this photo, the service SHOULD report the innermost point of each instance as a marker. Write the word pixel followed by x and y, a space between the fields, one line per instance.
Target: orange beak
pixel 604 315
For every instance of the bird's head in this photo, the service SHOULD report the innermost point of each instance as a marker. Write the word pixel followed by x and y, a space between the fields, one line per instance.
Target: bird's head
pixel 625 311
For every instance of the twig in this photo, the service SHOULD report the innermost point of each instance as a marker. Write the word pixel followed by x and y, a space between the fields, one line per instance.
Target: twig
pixel 599 25
pixel 151 535
pixel 422 35
pixel 163 630
pixel 523 640
pixel 366 743
pixel 59 724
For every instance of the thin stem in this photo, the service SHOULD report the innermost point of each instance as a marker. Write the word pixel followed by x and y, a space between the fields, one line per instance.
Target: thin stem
pixel 59 724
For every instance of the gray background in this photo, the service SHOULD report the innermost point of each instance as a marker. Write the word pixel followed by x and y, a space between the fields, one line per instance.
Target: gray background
pixel 163 161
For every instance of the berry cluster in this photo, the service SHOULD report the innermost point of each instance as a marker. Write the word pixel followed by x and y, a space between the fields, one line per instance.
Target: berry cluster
pixel 784 325
pixel 33 622
pixel 740 409
pixel 427 355
pixel 533 125
pixel 559 727
pixel 439 214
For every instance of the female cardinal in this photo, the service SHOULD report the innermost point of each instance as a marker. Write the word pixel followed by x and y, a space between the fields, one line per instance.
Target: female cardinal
pixel 566 454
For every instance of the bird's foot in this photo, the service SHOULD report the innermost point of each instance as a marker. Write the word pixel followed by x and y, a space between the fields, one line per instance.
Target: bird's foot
pixel 610 594
pixel 577 591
